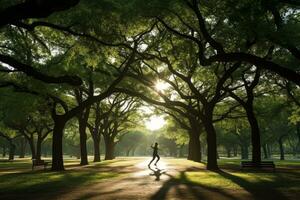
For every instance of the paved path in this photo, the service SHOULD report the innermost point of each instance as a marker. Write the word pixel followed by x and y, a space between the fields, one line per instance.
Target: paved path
pixel 137 181
pixel 141 183
pixel 154 183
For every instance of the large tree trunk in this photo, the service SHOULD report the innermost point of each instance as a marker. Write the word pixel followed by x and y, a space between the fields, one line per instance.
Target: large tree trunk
pixel 57 152
pixel 281 148
pixel 211 141
pixel 39 148
pixel 255 135
pixel 32 147
pixel 109 148
pixel 181 150
pixel 3 151
pixel 22 148
pixel 244 152
pixel 83 137
pixel 228 150
pixel 95 132
pixel 133 151
pixel 298 135
pixel 269 150
pixel 128 152
pixel 12 148
pixel 97 149
pixel 266 156
pixel 194 148
pixel 235 151
pixel 83 117
pixel 45 153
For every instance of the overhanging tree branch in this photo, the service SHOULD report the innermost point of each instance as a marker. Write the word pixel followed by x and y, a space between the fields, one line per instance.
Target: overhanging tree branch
pixel 34 9
pixel 30 71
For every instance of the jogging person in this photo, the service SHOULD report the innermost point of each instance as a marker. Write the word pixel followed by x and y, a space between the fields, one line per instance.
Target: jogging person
pixel 155 154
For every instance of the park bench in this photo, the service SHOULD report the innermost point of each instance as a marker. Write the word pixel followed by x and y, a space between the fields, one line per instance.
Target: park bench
pixel 36 162
pixel 262 164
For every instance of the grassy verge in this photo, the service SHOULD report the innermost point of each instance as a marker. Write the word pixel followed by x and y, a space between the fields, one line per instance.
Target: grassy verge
pixel 49 181
pixel 284 183
pixel 17 176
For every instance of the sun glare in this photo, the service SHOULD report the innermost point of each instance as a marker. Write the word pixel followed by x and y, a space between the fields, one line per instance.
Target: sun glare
pixel 155 123
pixel 161 86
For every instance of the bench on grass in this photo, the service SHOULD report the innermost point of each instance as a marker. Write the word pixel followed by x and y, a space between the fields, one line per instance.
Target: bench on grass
pixel 36 162
pixel 262 164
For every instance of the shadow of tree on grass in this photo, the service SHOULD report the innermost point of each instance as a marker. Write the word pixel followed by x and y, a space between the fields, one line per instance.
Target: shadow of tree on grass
pixel 260 189
pixel 186 189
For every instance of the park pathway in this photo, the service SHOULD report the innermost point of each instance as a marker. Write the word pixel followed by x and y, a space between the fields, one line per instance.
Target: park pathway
pixel 132 179
pixel 139 182
pixel 142 182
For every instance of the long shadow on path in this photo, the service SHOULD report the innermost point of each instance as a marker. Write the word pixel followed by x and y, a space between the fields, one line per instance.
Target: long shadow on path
pixel 156 172
pixel 183 188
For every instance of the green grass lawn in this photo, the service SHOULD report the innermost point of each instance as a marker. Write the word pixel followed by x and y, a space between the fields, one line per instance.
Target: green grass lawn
pixel 239 179
pixel 284 183
pixel 17 177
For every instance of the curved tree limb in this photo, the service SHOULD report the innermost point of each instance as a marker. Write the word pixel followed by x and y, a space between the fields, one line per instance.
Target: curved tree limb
pixel 30 71
pixel 34 9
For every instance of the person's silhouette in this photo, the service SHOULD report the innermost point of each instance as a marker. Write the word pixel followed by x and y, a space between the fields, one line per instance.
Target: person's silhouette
pixel 155 154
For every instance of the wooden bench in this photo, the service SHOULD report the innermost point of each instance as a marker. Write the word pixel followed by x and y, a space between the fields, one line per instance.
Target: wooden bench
pixel 262 164
pixel 36 162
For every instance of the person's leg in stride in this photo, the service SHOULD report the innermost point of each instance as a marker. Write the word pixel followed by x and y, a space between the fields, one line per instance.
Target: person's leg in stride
pixel 158 158
pixel 151 160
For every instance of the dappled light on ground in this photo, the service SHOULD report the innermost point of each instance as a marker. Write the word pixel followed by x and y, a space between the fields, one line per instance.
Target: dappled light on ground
pixel 132 178
pixel 145 170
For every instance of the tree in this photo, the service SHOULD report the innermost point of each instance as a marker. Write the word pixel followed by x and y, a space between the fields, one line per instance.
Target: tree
pixel 96 129
pixel 30 118
pixel 14 38
pixel 130 142
pixel 248 106
pixel 115 124
pixel 9 136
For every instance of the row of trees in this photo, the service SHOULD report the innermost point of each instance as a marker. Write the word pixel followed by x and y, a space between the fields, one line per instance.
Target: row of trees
pixel 217 63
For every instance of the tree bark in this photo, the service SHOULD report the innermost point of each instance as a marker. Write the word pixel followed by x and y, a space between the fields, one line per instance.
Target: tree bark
pixel 39 148
pixel 269 151
pixel 194 149
pixel 83 137
pixel 133 151
pixel 57 152
pixel 211 140
pixel 281 148
pixel 298 135
pixel 265 151
pixel 95 132
pixel 235 151
pixel 128 152
pixel 3 151
pixel 12 148
pixel 109 148
pixel 255 135
pixel 83 117
pixel 97 150
pixel 181 150
pixel 22 148
pixel 32 147
pixel 244 152
pixel 228 150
